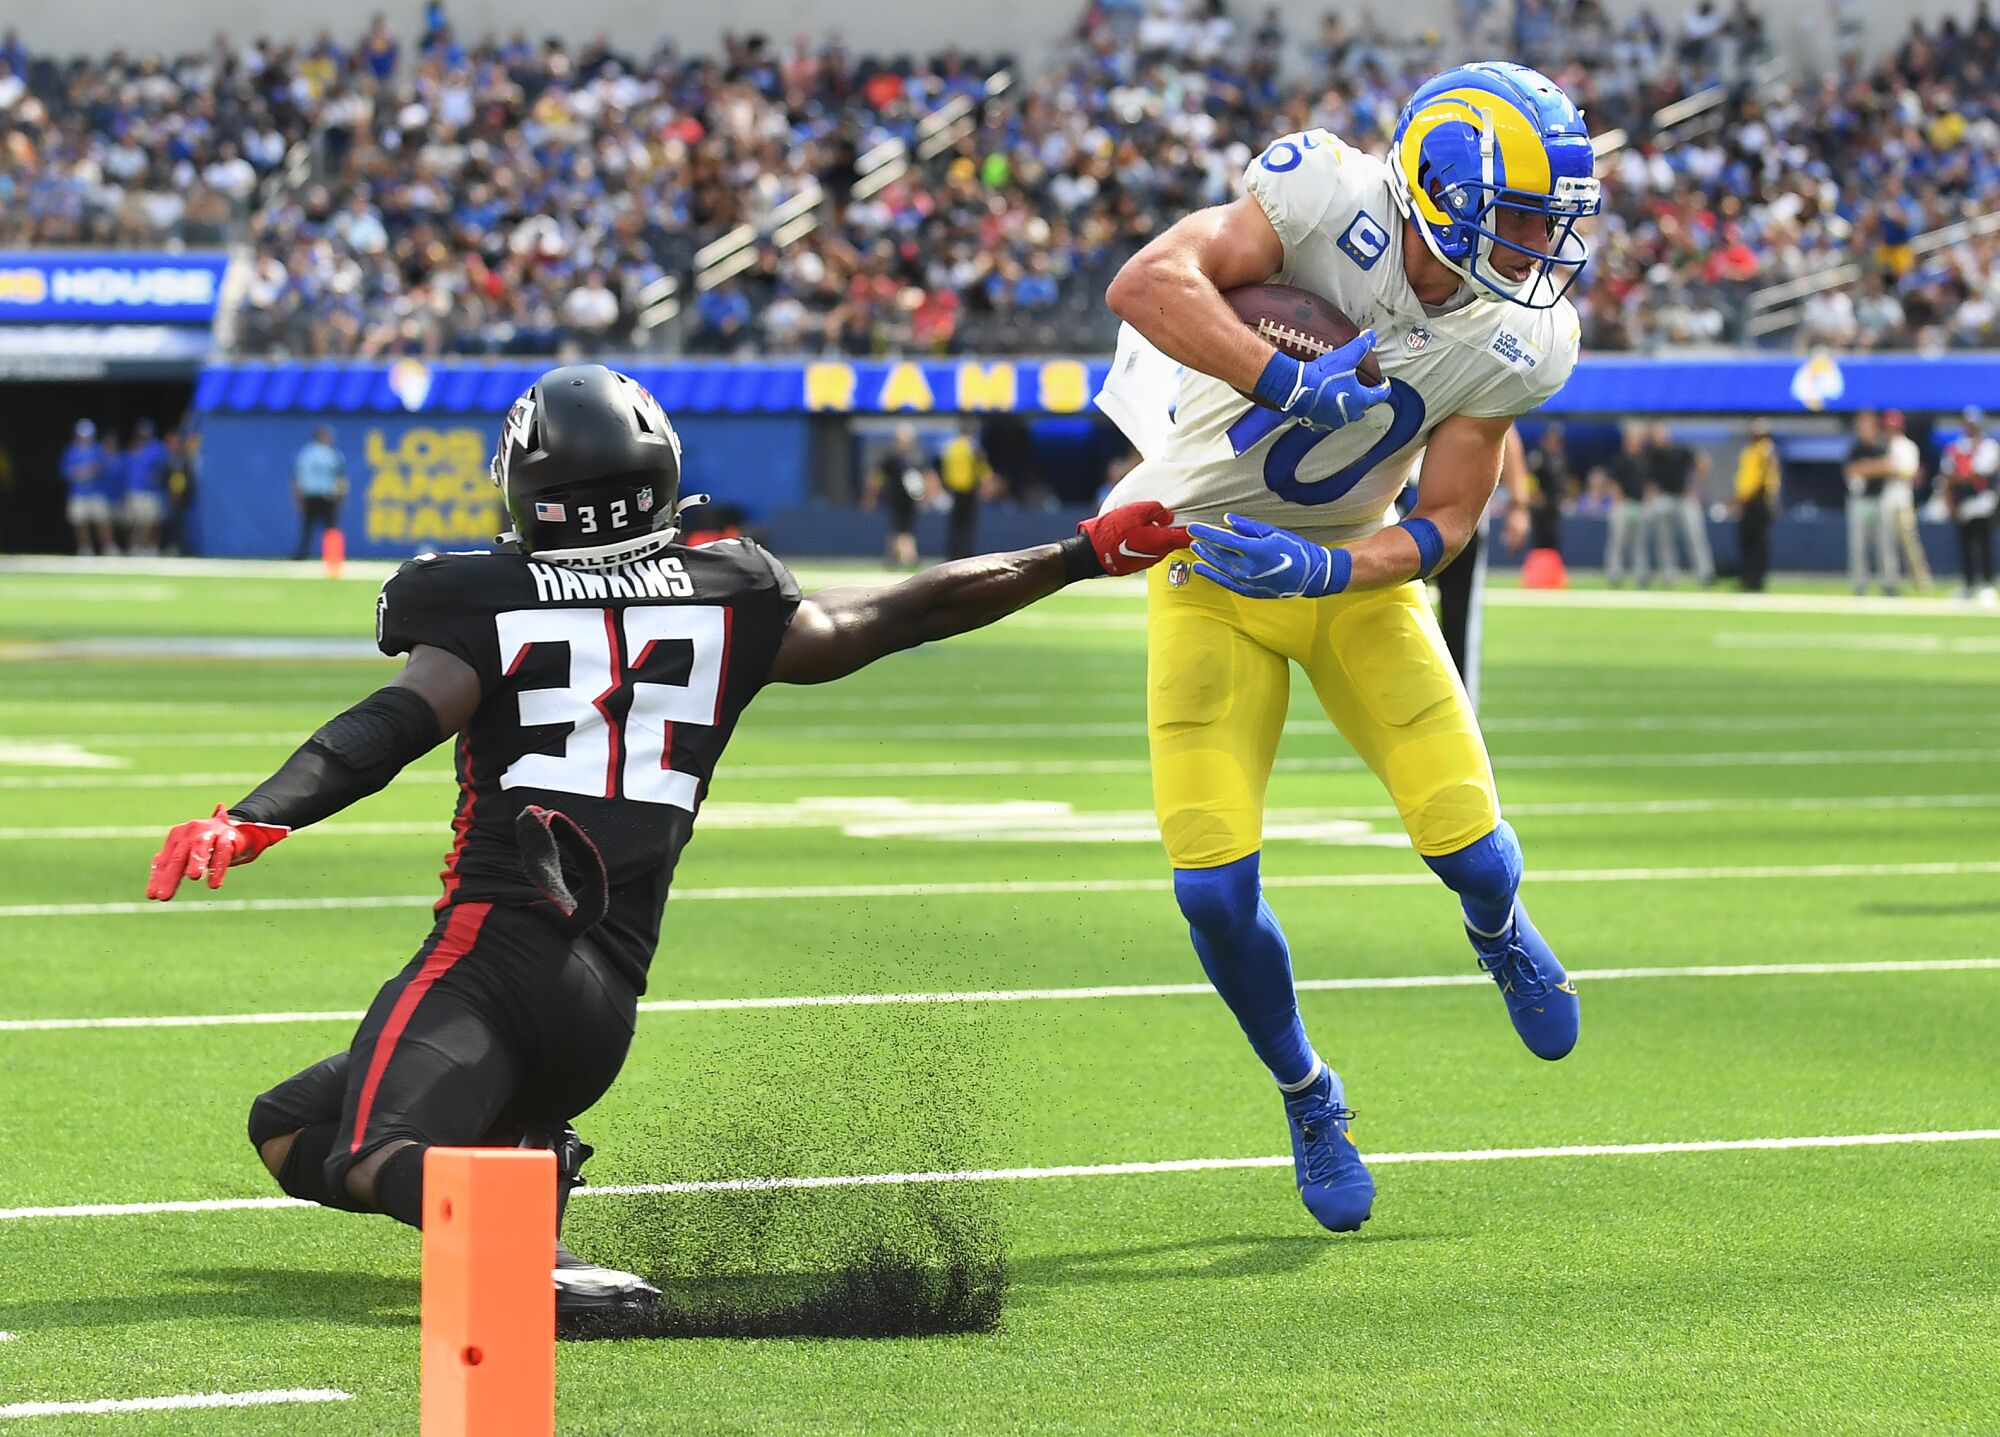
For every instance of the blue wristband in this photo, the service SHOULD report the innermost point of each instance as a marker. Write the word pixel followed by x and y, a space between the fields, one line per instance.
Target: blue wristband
pixel 1430 544
pixel 1339 572
pixel 1279 382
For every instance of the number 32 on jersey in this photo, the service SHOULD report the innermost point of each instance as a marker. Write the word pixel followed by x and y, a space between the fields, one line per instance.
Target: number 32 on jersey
pixel 600 749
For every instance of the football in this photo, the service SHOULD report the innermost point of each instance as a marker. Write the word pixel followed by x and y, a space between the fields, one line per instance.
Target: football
pixel 1297 322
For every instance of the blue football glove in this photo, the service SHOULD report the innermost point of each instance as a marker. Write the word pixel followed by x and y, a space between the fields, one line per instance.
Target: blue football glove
pixel 1324 391
pixel 1260 561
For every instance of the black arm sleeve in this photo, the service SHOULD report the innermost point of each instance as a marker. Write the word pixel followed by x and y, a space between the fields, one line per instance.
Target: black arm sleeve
pixel 353 755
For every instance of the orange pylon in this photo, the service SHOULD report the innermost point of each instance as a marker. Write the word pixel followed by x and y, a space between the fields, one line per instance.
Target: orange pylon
pixel 1543 569
pixel 333 551
pixel 489 1303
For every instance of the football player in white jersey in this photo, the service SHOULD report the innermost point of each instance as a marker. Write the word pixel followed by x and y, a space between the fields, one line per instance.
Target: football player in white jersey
pixel 1454 255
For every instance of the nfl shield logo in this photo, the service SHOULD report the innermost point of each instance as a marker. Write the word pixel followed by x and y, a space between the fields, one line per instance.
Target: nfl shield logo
pixel 554 513
pixel 1178 573
pixel 1417 338
pixel 645 499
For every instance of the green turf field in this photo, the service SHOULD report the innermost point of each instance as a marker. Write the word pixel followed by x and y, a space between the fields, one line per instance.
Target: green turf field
pixel 1815 793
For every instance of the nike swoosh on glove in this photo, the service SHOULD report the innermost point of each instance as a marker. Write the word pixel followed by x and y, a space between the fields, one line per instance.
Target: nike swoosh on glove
pixel 1326 391
pixel 1133 536
pixel 207 847
pixel 1261 561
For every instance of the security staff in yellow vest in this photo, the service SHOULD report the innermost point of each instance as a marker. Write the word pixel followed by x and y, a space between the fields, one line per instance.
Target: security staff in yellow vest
pixel 963 471
pixel 1758 477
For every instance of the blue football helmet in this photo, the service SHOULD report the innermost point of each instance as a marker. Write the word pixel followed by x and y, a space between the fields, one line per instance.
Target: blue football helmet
pixel 1491 137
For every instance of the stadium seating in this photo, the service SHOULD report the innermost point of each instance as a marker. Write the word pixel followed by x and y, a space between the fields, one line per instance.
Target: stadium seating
pixel 435 196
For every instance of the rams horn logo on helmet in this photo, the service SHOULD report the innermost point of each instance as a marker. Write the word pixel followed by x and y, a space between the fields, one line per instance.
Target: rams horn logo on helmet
pixel 1487 139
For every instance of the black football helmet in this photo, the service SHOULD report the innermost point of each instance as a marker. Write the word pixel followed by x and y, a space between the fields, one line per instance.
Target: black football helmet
pixel 589 468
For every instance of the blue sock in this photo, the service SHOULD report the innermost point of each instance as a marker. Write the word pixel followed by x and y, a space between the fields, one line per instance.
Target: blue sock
pixel 1244 954
pixel 1485 875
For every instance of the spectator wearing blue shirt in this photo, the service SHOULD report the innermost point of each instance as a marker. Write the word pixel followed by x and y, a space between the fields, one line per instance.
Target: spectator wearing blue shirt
pixel 145 488
pixel 722 321
pixel 1037 289
pixel 378 49
pixel 111 478
pixel 319 483
pixel 89 508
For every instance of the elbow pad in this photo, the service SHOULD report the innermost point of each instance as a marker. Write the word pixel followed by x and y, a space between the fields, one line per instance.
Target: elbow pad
pixel 353 755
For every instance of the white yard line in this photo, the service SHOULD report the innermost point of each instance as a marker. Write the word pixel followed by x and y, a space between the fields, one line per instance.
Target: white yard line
pixel 1082 1170
pixel 819 572
pixel 273 1398
pixel 241 779
pixel 760 729
pixel 1715 601
pixel 1053 995
pixel 142 1209
pixel 198 739
pixel 783 701
pixel 33 591
pixel 367 571
pixel 407 829
pixel 1014 768
pixel 1871 643
pixel 59 706
pixel 180 1020
pixel 1188 1165
pixel 788 703
pixel 747 816
pixel 1006 888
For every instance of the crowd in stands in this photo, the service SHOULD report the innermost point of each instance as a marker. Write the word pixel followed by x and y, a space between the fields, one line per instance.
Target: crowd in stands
pixel 138 151
pixel 1805 176
pixel 433 193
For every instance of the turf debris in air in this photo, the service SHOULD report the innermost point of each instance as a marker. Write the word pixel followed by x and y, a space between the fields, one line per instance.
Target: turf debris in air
pixel 901 1260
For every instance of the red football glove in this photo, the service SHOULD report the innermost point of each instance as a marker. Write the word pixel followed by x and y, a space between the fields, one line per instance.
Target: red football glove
pixel 208 846
pixel 1133 536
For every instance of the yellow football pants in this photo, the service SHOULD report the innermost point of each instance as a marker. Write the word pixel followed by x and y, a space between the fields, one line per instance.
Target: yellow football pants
pixel 1218 684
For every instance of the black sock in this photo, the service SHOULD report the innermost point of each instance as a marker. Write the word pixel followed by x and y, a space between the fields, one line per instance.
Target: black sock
pixel 399 1184
pixel 303 1173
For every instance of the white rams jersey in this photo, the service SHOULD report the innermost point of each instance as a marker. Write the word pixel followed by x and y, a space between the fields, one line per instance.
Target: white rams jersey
pixel 1205 450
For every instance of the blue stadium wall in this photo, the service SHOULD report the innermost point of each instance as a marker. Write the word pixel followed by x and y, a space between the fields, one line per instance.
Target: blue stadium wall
pixel 417 436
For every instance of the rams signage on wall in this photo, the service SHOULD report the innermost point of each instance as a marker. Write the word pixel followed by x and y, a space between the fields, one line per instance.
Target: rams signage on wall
pixel 416 483
pixel 416 434
pixel 1603 384
pixel 812 386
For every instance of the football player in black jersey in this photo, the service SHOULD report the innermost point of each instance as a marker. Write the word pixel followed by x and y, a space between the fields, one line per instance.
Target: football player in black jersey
pixel 592 671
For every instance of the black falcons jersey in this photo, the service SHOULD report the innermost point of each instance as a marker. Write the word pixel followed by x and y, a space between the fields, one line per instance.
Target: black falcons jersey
pixel 606 694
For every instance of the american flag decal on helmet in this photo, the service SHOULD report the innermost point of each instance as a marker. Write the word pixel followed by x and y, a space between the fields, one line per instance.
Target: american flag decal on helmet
pixel 554 513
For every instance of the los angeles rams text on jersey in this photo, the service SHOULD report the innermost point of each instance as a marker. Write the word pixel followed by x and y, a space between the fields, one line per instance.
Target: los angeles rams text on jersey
pixel 1206 450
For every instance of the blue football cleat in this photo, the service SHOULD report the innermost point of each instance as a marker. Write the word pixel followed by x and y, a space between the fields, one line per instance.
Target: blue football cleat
pixel 1540 998
pixel 1333 1181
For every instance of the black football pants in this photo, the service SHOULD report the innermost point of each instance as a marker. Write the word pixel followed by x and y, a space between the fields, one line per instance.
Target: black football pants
pixel 500 1026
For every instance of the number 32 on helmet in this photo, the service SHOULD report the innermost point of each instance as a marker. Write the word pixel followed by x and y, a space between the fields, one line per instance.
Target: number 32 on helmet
pixel 1486 139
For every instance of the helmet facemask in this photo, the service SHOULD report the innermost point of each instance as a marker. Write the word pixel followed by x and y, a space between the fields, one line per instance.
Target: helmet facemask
pixel 1460 191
